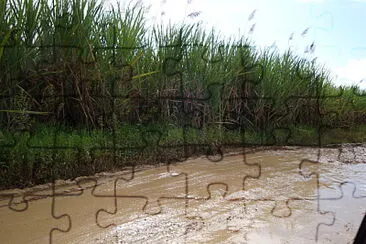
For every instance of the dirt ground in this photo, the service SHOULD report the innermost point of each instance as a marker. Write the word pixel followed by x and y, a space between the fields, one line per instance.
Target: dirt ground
pixel 293 195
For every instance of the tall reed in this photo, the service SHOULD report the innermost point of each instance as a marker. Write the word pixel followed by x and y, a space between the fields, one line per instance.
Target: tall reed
pixel 78 63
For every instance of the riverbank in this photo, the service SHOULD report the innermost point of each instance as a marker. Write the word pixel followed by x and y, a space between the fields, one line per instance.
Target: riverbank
pixel 61 153
pixel 218 219
pixel 133 94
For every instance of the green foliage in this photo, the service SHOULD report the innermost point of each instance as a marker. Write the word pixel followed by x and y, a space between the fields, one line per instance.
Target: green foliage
pixel 106 77
pixel 84 65
pixel 66 153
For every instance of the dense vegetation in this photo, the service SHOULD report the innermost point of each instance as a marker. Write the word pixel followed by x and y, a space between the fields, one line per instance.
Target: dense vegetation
pixel 86 90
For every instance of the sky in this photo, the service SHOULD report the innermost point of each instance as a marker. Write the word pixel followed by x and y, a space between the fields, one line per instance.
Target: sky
pixel 336 27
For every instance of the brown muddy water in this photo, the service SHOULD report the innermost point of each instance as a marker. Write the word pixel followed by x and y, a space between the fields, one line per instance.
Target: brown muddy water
pixel 297 195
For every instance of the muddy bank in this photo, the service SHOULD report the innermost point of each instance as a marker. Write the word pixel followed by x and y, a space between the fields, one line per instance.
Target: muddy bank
pixel 265 196
pixel 60 184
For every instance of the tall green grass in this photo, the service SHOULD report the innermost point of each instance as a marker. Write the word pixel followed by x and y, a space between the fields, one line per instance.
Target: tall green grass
pixel 81 64
pixel 76 64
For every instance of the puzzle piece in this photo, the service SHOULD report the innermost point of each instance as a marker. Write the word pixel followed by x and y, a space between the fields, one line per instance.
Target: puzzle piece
pixel 191 126
pixel 118 150
pixel 217 218
pixel 270 163
pixel 212 54
pixel 348 219
pixel 234 171
pixel 313 115
pixel 35 219
pixel 345 153
pixel 162 180
pixel 62 142
pixel 239 119
pixel 300 226
pixel 85 220
pixel 146 193
pixel 325 185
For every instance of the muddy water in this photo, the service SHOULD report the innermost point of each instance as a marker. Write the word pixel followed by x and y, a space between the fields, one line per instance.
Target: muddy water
pixel 287 196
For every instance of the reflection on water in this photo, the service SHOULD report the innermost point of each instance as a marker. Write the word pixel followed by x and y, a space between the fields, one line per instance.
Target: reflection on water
pixel 289 196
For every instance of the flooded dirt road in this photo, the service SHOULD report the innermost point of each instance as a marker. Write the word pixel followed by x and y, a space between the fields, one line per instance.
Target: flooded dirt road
pixel 274 196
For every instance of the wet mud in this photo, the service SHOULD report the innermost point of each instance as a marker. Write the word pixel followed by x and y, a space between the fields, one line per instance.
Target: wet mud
pixel 301 195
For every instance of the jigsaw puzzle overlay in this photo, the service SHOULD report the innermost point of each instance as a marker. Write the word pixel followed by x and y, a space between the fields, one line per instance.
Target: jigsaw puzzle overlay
pixel 108 135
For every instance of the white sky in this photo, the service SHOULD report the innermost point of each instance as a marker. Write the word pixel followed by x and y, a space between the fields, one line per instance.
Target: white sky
pixel 334 26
